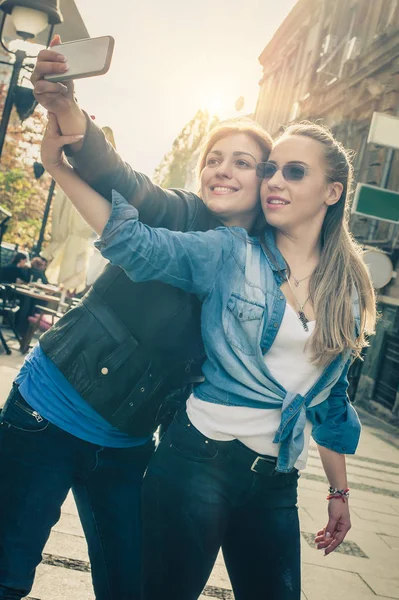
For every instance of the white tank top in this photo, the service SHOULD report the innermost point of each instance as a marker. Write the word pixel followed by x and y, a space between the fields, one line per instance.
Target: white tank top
pixel 289 362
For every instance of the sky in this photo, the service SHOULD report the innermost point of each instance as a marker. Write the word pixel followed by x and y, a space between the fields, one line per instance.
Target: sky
pixel 172 58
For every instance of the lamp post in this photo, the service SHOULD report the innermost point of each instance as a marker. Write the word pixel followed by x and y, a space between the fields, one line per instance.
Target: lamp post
pixel 29 17
pixel 38 170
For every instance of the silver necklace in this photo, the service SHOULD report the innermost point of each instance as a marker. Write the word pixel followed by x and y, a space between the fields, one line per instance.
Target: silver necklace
pixel 298 281
pixel 302 317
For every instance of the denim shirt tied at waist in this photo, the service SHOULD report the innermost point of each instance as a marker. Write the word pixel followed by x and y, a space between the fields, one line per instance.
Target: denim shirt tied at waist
pixel 242 310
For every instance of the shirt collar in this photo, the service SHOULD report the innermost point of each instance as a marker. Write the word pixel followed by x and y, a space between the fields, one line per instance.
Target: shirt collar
pixel 278 263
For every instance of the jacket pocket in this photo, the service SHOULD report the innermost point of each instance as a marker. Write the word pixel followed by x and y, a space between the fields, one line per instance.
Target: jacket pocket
pixel 242 319
pixel 117 357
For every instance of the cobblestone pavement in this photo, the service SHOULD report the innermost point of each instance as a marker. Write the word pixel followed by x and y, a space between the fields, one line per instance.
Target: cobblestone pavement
pixel 365 566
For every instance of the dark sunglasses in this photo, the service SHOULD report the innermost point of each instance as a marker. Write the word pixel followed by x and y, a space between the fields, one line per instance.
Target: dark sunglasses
pixel 291 172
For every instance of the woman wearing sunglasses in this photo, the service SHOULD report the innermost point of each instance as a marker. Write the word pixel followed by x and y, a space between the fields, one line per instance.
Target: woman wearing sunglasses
pixel 283 315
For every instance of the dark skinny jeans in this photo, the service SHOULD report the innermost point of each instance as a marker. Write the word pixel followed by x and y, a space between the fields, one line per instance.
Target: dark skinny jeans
pixel 39 464
pixel 200 495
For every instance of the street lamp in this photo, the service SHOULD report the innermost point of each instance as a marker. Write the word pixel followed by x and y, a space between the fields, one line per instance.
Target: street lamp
pixel 29 17
pixel 38 170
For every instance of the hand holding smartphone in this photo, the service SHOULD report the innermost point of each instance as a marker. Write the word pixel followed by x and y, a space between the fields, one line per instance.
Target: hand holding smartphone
pixel 85 58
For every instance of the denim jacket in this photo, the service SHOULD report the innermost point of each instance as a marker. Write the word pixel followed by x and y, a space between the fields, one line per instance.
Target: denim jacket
pixel 242 309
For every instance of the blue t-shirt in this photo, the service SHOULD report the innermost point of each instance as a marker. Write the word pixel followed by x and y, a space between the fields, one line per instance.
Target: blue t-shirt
pixel 46 390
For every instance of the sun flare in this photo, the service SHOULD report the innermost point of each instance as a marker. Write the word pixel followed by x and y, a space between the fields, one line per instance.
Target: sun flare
pixel 218 104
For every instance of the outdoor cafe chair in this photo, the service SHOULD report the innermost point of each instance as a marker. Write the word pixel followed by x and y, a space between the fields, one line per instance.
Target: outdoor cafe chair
pixel 9 308
pixel 44 318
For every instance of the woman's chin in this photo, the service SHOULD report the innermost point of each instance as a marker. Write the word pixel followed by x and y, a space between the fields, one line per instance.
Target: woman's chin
pixel 218 206
pixel 274 219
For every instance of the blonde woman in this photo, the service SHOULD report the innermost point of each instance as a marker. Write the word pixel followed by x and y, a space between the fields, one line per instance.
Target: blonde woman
pixel 283 315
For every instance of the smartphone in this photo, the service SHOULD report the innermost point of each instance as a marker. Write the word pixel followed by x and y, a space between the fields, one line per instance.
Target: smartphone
pixel 85 58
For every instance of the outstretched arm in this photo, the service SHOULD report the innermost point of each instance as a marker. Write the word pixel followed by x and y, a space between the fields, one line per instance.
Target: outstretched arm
pixel 92 206
pixel 98 163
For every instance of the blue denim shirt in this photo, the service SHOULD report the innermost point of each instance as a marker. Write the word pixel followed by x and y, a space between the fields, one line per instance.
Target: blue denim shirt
pixel 242 310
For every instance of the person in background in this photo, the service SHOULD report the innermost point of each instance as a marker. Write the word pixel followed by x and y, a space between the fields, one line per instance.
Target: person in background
pixel 38 270
pixel 17 271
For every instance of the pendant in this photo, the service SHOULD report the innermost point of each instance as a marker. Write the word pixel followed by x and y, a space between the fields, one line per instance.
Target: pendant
pixel 295 280
pixel 303 320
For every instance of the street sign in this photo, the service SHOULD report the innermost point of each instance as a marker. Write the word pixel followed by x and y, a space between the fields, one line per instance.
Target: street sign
pixel 376 203
pixel 384 130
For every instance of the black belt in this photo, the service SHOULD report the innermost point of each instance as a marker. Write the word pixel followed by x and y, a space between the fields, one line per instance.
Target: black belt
pixel 264 465
pixel 260 463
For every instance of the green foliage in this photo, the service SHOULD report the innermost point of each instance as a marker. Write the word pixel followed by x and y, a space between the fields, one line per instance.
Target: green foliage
pixel 177 166
pixel 21 197
pixel 20 193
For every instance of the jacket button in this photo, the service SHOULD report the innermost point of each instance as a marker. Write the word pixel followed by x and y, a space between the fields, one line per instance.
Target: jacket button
pixel 290 409
pixel 343 448
pixel 240 315
pixel 281 297
pixel 275 325
pixel 142 389
pixel 104 371
pixel 131 403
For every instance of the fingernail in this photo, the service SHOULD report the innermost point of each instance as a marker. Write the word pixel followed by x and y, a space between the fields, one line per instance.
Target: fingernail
pixel 328 535
pixel 61 57
pixel 65 66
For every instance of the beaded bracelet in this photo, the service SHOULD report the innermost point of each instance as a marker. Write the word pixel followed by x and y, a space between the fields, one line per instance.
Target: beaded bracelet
pixel 336 493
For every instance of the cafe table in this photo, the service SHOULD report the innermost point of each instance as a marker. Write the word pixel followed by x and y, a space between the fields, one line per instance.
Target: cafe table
pixel 47 287
pixel 32 291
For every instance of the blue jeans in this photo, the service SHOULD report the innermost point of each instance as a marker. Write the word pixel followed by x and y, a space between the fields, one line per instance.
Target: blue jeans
pixel 39 464
pixel 200 495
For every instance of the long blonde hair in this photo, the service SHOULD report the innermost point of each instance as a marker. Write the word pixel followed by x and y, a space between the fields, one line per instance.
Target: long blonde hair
pixel 341 269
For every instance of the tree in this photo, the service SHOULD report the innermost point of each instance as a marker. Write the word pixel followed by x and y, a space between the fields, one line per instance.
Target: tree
pixel 20 193
pixel 177 165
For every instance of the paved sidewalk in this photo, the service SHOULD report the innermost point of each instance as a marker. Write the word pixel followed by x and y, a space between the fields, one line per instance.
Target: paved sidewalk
pixel 366 565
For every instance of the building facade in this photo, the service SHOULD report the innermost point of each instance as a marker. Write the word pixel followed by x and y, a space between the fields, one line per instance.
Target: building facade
pixel 337 62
